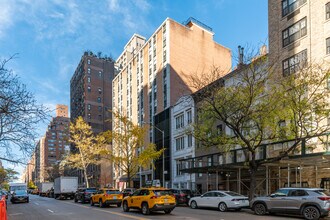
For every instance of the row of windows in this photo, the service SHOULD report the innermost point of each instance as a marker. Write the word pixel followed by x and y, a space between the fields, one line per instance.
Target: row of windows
pixel 179 120
pixel 327 11
pixel 294 63
pixel 289 6
pixel 180 142
pixel 99 117
pixel 89 106
pixel 294 32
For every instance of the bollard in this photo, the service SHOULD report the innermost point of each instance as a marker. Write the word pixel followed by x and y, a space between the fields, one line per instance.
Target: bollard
pixel 3 210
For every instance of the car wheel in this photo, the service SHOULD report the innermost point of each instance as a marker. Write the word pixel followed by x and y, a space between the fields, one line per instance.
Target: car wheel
pixel 238 209
pixel 75 199
pixel 101 204
pixel 311 213
pixel 193 205
pixel 145 209
pixel 222 207
pixel 168 211
pixel 91 202
pixel 125 206
pixel 27 201
pixel 260 209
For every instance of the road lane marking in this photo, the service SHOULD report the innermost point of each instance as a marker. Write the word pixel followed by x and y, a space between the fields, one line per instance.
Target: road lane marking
pixel 36 203
pixel 115 213
pixel 50 211
pixel 16 214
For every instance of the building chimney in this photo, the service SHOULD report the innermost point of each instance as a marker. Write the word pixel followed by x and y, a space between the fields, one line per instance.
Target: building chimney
pixel 263 50
pixel 241 55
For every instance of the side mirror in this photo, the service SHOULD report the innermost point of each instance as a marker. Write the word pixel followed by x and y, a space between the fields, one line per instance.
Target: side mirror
pixel 202 196
pixel 272 195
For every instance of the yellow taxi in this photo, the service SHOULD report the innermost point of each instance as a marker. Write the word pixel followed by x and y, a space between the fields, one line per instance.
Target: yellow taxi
pixel 105 197
pixel 150 199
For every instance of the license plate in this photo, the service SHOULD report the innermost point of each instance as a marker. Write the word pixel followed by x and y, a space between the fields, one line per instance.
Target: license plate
pixel 165 201
pixel 115 197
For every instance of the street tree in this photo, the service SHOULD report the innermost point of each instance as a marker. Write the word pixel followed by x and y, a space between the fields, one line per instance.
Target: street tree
pixel 19 114
pixel 87 148
pixel 259 106
pixel 7 175
pixel 129 151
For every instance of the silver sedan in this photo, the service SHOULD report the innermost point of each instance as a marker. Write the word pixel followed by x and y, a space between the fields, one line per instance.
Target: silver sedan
pixel 223 200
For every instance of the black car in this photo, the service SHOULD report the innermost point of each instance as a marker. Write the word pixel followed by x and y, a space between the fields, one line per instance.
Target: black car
pixel 128 191
pixel 182 196
pixel 84 194
pixel 19 196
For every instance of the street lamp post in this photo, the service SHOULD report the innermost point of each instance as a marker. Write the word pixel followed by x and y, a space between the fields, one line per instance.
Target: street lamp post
pixel 163 142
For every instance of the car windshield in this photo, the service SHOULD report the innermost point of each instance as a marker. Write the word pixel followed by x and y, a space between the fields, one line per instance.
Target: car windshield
pixel 163 192
pixel 113 191
pixel 20 192
pixel 233 193
pixel 322 192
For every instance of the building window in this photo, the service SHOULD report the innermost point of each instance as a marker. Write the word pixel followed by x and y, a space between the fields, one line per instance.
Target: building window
pixel 89 107
pixel 328 45
pixel 190 137
pixel 99 99
pixel 100 74
pixel 89 116
pixel 155 67
pixel 294 32
pixel 100 91
pixel 189 117
pixel 178 168
pixel 219 129
pixel 100 108
pixel 100 117
pixel 89 79
pixel 327 11
pixel 164 56
pixel 88 61
pixel 89 70
pixel 289 6
pixel 88 89
pixel 179 143
pixel 294 63
pixel 179 121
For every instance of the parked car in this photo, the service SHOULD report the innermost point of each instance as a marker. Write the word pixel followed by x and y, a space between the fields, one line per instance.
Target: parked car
pixel 150 199
pixel 19 196
pixel 223 200
pixel 4 193
pixel 84 194
pixel 312 203
pixel 182 196
pixel 105 197
pixel 128 191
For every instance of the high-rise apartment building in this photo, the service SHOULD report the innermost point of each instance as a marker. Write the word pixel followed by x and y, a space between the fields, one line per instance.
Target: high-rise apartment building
pixel 90 98
pixel 299 32
pixel 154 73
pixel 54 144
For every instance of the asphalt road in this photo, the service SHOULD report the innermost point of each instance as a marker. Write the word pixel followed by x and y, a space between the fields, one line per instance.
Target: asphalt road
pixel 50 209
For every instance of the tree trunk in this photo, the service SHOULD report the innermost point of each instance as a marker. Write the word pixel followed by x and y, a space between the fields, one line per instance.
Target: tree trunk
pixel 86 177
pixel 128 179
pixel 253 182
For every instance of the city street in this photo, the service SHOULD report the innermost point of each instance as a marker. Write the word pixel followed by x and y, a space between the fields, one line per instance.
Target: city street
pixel 48 208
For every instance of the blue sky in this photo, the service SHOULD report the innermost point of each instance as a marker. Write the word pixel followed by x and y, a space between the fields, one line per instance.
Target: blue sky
pixel 51 35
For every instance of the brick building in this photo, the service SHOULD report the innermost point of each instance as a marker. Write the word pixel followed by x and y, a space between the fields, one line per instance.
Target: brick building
pixel 90 97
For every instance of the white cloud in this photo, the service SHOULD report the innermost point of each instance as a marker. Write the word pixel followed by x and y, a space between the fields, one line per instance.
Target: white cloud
pixel 6 17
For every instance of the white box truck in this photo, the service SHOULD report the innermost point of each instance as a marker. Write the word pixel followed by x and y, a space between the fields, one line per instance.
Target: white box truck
pixel 65 187
pixel 44 187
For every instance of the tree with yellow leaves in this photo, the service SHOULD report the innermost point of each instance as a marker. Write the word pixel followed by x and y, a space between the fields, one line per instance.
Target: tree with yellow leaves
pixel 88 147
pixel 129 151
